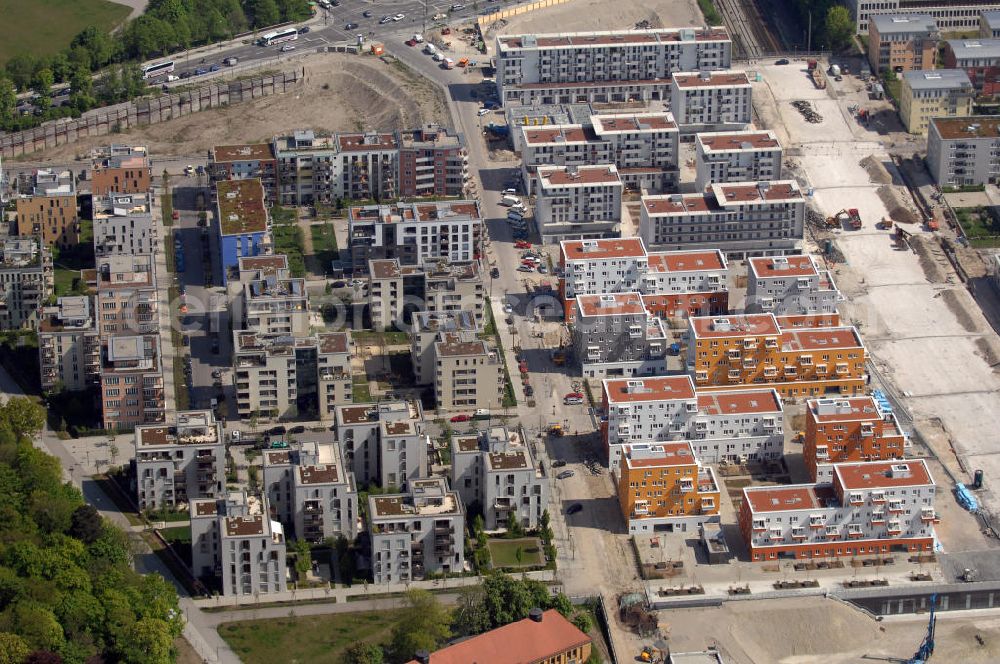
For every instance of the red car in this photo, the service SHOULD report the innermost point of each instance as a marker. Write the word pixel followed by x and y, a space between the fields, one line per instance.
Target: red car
pixel 411 42
pixel 461 418
pixel 523 367
pixel 574 395
pixel 522 244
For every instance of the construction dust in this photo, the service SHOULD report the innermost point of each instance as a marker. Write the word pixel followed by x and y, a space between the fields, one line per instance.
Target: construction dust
pixel 898 211
pixel 957 306
pixel 932 259
pixel 876 170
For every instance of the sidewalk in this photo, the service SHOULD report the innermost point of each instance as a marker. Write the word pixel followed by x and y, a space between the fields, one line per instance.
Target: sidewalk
pixel 167 350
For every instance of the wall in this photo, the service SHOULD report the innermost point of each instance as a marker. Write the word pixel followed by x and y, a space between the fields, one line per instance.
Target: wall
pixel 147 111
pixel 485 21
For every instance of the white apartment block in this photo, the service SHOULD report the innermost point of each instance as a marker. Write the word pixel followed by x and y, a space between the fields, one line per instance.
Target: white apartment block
pixel 711 99
pixel 396 291
pixel 383 443
pixel 612 59
pixel 577 201
pixel 949 15
pixel 271 301
pixel 416 533
pixel 124 225
pixel 871 508
pixel 790 286
pixel 495 468
pixel 179 462
pixel 237 547
pixel 964 151
pixel 415 233
pixel 424 334
pixel 753 155
pixel 742 219
pixel 26 282
pixel 614 335
pixel 334 378
pixel 311 492
pixel 469 374
pixel 68 345
pixel 127 299
pixel 733 426
pixel 643 146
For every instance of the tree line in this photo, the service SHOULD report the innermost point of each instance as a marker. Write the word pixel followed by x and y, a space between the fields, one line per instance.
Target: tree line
pixel 68 592
pixel 167 26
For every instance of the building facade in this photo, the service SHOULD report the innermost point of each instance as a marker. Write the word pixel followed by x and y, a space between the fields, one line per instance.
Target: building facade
pixel 242 222
pixel 949 15
pixel 383 443
pixel 179 462
pixel 979 58
pixel 131 381
pixel 869 509
pixel 935 93
pixel 121 169
pixel 271 301
pixel 68 345
pixel 902 42
pixel 49 211
pixel 742 219
pixel 469 374
pixel 752 155
pixel 711 99
pixel 246 162
pixel 577 201
pixel 433 161
pixel 989 24
pixel 614 335
pixel 26 282
pixel 964 151
pixel 334 380
pixel 849 430
pixel 124 224
pixel 127 299
pixel 424 334
pixel 396 292
pixel 790 285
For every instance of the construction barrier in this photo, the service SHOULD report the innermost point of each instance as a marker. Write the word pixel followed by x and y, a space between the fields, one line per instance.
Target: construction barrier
pixel 486 21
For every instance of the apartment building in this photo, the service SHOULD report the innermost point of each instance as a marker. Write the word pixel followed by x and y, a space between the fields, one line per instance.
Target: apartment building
pixel 69 349
pixel 131 381
pixel 396 292
pixel 752 155
pixel 242 222
pixel 731 426
pixel 664 486
pixel 276 375
pixel 790 285
pixel 495 469
pixel 127 299
pixel 540 115
pixel 577 201
pixel 311 492
pixel 752 349
pixel 124 224
pixel 271 300
pixel 26 282
pixel 979 58
pixel 989 24
pixel 179 462
pixel 585 92
pixel 672 283
pixel 849 430
pixel 902 42
pixel 369 165
pixel 541 637
pixel 121 169
pixel 383 443
pixel 47 208
pixel 433 161
pixel 246 162
pixel 612 59
pixel 416 533
pixel 614 335
pixel 949 15
pixel 236 547
pixel 964 151
pixel 334 379
pixel 643 147
pixel 934 93
pixel 869 509
pixel 742 219
pixel 711 99
pixel 469 373
pixel 425 331
pixel 415 233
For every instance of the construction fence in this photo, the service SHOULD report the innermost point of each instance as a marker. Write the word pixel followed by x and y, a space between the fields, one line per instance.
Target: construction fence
pixel 489 19
pixel 148 111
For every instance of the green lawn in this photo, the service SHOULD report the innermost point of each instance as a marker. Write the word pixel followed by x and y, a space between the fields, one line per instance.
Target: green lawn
pixel 64 281
pixel 503 552
pixel 314 639
pixel 983 232
pixel 288 241
pixel 324 243
pixel 360 390
pixel 388 338
pixel 44 27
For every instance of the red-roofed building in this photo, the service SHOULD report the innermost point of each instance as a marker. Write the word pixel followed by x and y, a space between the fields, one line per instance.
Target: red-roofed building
pixel 614 333
pixel 243 162
pixel 844 430
pixel 870 509
pixel 577 201
pixel 542 637
pixel 793 285
pixel 753 155
pixel 711 99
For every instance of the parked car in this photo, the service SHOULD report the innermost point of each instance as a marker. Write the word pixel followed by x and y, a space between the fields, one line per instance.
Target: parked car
pixel 483 111
pixel 457 8
pixel 339 284
pixel 461 418
pixel 353 26
pixel 215 67
pixel 399 17
pixel 200 70
pixel 277 431
pixel 297 429
pixel 782 61
pixel 185 74
pixel 522 245
pixel 508 308
pixel 529 391
pixel 384 20
pixel 235 435
pixel 574 508
pixel 559 463
pixel 410 42
pixel 524 268
pixel 509 191
pixel 366 13
pixel 304 30
pixel 565 474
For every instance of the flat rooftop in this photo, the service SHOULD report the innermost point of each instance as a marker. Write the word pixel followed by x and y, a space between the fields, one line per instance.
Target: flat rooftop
pixel 658 455
pixel 603 249
pixel 334 342
pixel 358 414
pixel 660 388
pixel 735 141
pixel 943 79
pixel 711 327
pixel 976 126
pixel 790 498
pixel 844 409
pixel 514 459
pixel 265 264
pixel 555 135
pixel 775 267
pixel 738 402
pixel 687 261
pixel 628 123
pixel 457 345
pixel 615 304
pixel 579 176
pixel 613 38
pixel 367 141
pixel 882 474
pixel 438 211
pixel 320 474
pixel 712 79
pixel 245 152
pixel 820 339
pixel 446 504
pixel 241 206
pixel 888 24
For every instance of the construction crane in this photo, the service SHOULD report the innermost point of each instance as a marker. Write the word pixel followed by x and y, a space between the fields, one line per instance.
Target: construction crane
pixel 926 648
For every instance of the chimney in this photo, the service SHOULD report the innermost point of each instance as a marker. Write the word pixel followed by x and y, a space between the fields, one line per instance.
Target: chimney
pixel 536 615
pixel 422 656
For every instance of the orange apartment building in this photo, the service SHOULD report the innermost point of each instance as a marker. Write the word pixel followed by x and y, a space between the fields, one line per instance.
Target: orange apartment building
pixel 902 42
pixel 50 210
pixel 753 349
pixel 842 430
pixel 663 485
pixel 122 169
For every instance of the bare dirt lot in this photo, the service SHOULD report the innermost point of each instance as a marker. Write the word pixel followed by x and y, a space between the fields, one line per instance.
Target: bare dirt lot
pixel 341 93
pixel 811 630
pixel 586 15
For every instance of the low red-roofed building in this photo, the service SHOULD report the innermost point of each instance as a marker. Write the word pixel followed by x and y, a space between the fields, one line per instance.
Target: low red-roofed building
pixel 711 99
pixel 752 155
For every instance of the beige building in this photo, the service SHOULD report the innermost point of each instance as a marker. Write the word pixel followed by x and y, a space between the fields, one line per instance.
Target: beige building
pixel 68 346
pixel 383 443
pixel 902 42
pixel 131 381
pixel 424 333
pixel 47 208
pixel 397 291
pixel 577 202
pixel 333 366
pixel 934 93
pixel 179 462
pixel 127 300
pixel 470 374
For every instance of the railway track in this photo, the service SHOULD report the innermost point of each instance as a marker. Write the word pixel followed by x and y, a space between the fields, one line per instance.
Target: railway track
pixel 751 38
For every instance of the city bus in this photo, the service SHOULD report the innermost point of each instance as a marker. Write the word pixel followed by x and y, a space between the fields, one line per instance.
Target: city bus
pixel 158 69
pixel 272 38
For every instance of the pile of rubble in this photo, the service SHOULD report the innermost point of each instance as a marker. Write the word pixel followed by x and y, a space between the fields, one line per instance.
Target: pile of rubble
pixel 806 109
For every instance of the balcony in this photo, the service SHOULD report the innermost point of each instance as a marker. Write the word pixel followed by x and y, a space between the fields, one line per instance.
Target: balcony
pixel 894 528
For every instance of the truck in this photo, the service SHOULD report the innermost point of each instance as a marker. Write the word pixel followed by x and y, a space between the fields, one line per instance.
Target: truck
pixel 429 49
pixel 855 218
pixel 230 62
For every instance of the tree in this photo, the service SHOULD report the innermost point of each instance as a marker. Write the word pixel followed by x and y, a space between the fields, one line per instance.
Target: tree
pixel 85 524
pixel 21 68
pixel 303 558
pixel 582 621
pixel 8 99
pixel 514 526
pixel 471 615
pixel 44 80
pixel 13 649
pixel 148 641
pixel 264 12
pixel 364 653
pixel 43 657
pixel 839 28
pixel 26 418
pixel 424 625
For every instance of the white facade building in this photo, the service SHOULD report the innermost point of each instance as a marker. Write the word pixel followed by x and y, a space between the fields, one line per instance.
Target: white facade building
pixel 740 156
pixel 383 443
pixel 711 99
pixel 577 201
pixel 964 151
pixel 614 335
pixel 124 224
pixel 790 286
pixel 68 346
pixel 179 462
pixel 949 15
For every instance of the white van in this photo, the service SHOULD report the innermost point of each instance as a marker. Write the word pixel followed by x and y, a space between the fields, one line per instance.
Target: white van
pixel 430 50
pixel 509 200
